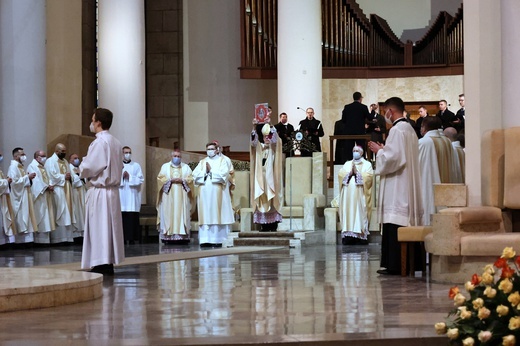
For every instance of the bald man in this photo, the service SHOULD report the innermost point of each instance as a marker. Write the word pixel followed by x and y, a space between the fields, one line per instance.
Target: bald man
pixel 58 171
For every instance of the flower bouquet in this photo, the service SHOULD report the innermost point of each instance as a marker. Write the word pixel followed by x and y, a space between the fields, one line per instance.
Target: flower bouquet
pixel 491 314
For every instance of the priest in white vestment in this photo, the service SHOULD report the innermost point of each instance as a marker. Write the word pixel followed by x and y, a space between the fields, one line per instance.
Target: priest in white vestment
pixel 43 198
pixel 400 201
pixel 266 155
pixel 458 154
pixel 230 186
pixel 429 161
pixel 60 178
pixel 452 163
pixel 174 201
pixel 130 194
pixel 215 217
pixel 79 191
pixel 6 210
pixel 355 181
pixel 103 244
pixel 21 199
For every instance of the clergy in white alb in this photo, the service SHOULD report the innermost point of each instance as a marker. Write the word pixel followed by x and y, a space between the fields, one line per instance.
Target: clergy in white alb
pixel 458 154
pixel 60 177
pixel 400 201
pixel 7 216
pixel 174 200
pixel 79 191
pixel 355 181
pixel 215 217
pixel 130 194
pixel 447 158
pixel 21 199
pixel 266 180
pixel 42 198
pixel 103 244
pixel 428 160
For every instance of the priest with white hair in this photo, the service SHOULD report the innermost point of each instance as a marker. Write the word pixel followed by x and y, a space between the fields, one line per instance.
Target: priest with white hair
pixel 355 181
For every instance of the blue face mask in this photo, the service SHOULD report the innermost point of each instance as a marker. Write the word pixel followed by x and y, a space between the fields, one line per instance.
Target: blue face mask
pixel 176 161
pixel 76 162
pixel 356 155
pixel 1 158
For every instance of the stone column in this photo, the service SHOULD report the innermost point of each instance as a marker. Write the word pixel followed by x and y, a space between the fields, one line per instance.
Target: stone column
pixel 510 10
pixel 482 84
pixel 121 66
pixel 299 58
pixel 22 77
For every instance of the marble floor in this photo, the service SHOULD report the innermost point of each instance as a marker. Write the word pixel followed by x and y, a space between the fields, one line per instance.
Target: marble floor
pixel 320 295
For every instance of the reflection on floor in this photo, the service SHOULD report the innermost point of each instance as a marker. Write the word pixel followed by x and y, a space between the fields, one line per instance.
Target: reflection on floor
pixel 312 296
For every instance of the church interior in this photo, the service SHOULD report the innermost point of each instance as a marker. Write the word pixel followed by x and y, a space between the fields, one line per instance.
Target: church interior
pixel 179 74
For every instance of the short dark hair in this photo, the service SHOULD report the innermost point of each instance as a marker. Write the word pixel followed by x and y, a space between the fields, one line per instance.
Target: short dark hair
pixel 17 149
pixel 211 143
pixel 431 123
pixel 461 95
pixel 357 95
pixel 282 114
pixel 446 102
pixel 104 116
pixel 127 147
pixel 395 102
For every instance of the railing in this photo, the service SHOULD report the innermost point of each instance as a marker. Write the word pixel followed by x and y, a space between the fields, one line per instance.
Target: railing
pixel 350 40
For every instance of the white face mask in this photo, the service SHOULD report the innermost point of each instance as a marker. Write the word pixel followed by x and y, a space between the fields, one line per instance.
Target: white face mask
pixel 76 162
pixel 356 155
pixel 91 128
pixel 387 118
pixel 42 160
pixel 176 161
pixel 211 152
pixel 23 158
pixel 128 157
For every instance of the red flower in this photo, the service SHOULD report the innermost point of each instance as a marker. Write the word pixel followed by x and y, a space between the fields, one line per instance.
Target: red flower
pixel 500 263
pixel 507 272
pixel 453 292
pixel 517 261
pixel 475 279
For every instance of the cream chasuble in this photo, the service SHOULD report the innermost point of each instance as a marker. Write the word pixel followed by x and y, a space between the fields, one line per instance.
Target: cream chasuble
pixel 22 202
pixel 430 173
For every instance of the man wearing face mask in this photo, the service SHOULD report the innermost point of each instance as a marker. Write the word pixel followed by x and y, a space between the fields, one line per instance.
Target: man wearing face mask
pixel 42 193
pixel 103 242
pixel 215 217
pixel 400 199
pixel 78 199
pixel 21 199
pixel 355 202
pixel 174 200
pixel 6 210
pixel 60 177
pixel 130 196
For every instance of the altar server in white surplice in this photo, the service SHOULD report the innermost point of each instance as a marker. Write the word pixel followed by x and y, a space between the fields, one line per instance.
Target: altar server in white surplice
pixel 43 198
pixel 400 201
pixel 355 181
pixel 174 200
pixel 58 171
pixel 103 244
pixel 78 198
pixel 6 210
pixel 458 154
pixel 215 217
pixel 430 172
pixel 130 194
pixel 21 199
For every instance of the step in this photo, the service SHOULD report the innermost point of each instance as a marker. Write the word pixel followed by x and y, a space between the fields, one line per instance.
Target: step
pixel 256 234
pixel 261 242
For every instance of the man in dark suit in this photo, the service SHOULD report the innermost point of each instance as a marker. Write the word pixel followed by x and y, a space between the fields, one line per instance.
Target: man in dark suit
pixel 285 130
pixel 355 117
pixel 377 125
pixel 461 116
pixel 447 117
pixel 313 130
pixel 423 113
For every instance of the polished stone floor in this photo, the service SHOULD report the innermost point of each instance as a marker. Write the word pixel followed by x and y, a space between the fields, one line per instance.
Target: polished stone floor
pixel 321 295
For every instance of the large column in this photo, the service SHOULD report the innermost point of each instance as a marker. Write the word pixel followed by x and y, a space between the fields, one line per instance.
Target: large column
pixel 22 76
pixel 482 84
pixel 299 58
pixel 510 10
pixel 64 76
pixel 121 62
